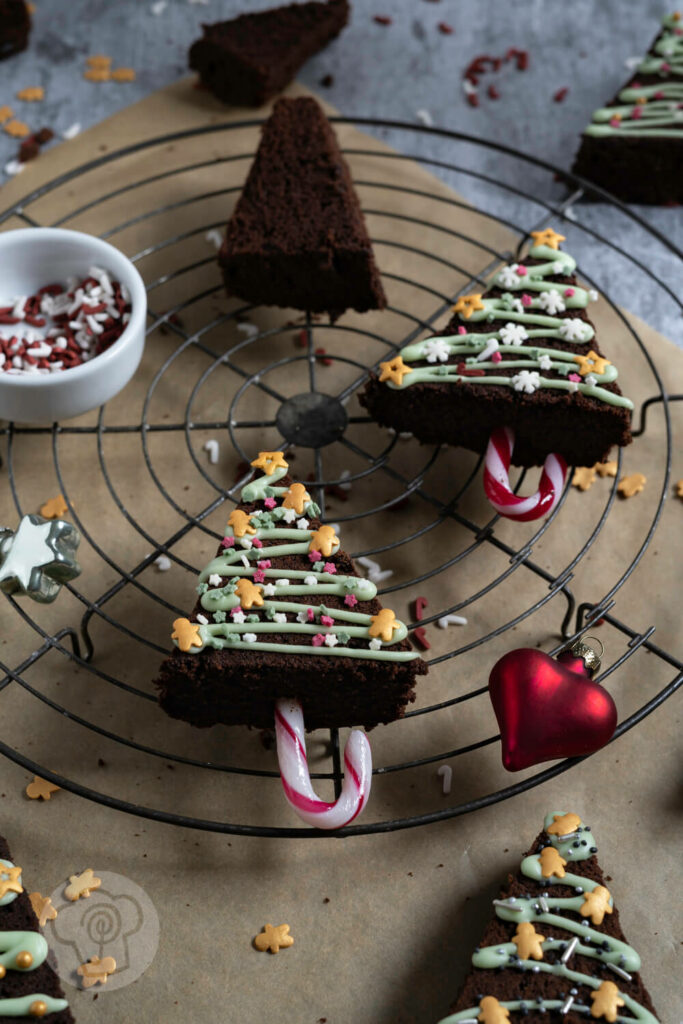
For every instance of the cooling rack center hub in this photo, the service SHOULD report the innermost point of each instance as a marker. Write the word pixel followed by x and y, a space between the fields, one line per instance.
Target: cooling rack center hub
pixel 312 420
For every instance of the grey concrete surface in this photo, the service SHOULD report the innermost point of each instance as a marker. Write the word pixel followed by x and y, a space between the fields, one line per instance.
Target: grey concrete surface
pixel 393 72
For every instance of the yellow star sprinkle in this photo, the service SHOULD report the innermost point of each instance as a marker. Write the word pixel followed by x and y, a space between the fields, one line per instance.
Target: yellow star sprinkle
pixel 274 939
pixel 631 485
pixel 528 942
pixel 296 498
pixel 492 1012
pixel 270 461
pixel 584 477
pixel 563 824
pixel 187 634
pixel 547 237
pixel 467 304
pixel 248 593
pixel 591 363
pixel 383 625
pixel 552 863
pixel 324 540
pixel 394 370
pixel 9 880
pixel 42 908
pixel 40 788
pixel 240 522
pixel 596 904
pixel 55 508
pixel 606 1001
pixel 606 468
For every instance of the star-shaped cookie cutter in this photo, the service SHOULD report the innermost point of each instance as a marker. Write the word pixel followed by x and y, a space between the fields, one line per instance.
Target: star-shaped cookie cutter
pixel 38 557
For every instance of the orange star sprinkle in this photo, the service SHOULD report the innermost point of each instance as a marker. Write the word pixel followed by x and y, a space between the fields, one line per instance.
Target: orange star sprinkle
pixel 467 304
pixel 40 789
pixel 96 970
pixel 123 75
pixel 270 461
pixel 82 885
pixel 631 485
pixel 9 880
pixel 187 634
pixel 54 508
pixel 240 522
pixel 596 904
pixel 591 363
pixel 528 942
pixel 17 129
pixel 548 237
pixel 563 824
pixel 606 1001
pixel 606 468
pixel 394 370
pixel 274 939
pixel 42 908
pixel 324 540
pixel 383 625
pixel 296 498
pixel 584 477
pixel 249 593
pixel 492 1012
pixel 32 94
pixel 552 863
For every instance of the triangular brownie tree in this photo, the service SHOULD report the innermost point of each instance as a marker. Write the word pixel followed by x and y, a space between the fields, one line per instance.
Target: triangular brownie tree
pixel 297 237
pixel 555 943
pixel 523 355
pixel 252 57
pixel 633 147
pixel 282 613
pixel 29 987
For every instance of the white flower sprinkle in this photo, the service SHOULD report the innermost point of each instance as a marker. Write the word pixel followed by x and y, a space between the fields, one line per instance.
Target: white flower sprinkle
pixel 436 350
pixel 330 640
pixel 279 617
pixel 302 524
pixel 239 616
pixel 289 516
pixel 310 581
pixel 269 590
pixel 375 644
pixel 572 330
pixel 513 334
pixel 302 616
pixel 545 362
pixel 527 381
pixel 552 302
pixel 591 380
pixel 508 277
pixel 214 580
pixel 250 638
pixel 282 583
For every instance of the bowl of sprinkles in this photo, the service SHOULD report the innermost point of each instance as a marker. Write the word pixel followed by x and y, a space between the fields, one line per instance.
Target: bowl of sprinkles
pixel 72 323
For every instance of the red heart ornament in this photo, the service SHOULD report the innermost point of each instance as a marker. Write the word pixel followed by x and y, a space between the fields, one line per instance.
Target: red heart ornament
pixel 548 708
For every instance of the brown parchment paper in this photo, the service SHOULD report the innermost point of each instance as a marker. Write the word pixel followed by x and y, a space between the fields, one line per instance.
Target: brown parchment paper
pixel 383 925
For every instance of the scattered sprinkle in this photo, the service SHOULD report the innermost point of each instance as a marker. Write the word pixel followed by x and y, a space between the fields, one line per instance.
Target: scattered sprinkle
pixel 631 485
pixel 213 448
pixel 382 19
pixel 54 508
pixel 679 488
pixel 124 75
pixel 13 167
pixel 17 129
pixel 40 789
pixel 375 573
pixel 249 329
pixel 98 60
pixel 96 970
pixel 5 114
pixel 163 563
pixel 32 94
pixel 72 131
pixel 451 620
pixel 97 75
pixel 159 7
pixel 445 28
pixel 424 117
pixel 446 773
pixel 273 939
pixel 214 237
pixel 561 94
pixel 584 477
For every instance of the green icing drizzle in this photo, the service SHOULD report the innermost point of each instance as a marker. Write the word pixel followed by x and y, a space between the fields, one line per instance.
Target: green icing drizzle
pixel 519 909
pixel 11 945
pixel 657 116
pixel 21 1005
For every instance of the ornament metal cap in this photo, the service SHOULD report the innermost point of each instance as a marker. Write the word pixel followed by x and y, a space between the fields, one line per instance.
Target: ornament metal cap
pixel 591 658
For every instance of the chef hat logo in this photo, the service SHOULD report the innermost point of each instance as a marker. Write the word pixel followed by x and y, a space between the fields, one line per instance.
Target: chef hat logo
pixel 117 920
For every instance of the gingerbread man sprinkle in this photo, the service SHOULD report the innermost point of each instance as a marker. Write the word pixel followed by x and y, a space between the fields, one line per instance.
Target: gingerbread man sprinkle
pixel 584 477
pixel 383 625
pixel 54 508
pixel 40 789
pixel 240 523
pixel 606 1001
pixel 296 498
pixel 324 540
pixel 563 824
pixel 606 468
pixel 596 904
pixel 274 939
pixel 42 908
pixel 552 863
pixel 528 941
pixel 631 485
pixel 96 970
pixel 249 593
pixel 679 488
pixel 33 94
pixel 186 634
pixel 492 1012
pixel 82 885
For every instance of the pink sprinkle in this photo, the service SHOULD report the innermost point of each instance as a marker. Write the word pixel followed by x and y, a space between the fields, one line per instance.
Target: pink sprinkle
pixel 462 330
pixel 228 542
pixel 351 600
pixel 637 113
pixel 318 640
pixel 659 95
pixel 665 66
pixel 330 567
pixel 270 503
pixel 615 122
pixel 314 556
pixel 326 620
pixel 496 357
pixel 310 615
pixel 259 576
pixel 678 31
pixel 520 270
pixel 574 377
pixel 526 299
pixel 257 543
pixel 235 610
pixel 636 85
pixel 264 563
pixel 568 292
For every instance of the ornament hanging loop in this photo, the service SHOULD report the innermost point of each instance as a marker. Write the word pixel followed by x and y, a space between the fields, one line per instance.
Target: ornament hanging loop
pixel 590 657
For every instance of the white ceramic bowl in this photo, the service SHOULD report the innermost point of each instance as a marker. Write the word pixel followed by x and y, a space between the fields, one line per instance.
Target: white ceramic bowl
pixel 33 257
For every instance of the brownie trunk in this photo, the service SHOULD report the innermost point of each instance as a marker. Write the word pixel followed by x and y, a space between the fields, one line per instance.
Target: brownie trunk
pixel 15 26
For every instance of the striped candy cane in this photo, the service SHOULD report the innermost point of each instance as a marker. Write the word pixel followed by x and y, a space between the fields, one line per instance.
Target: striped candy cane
pixel 497 481
pixel 296 782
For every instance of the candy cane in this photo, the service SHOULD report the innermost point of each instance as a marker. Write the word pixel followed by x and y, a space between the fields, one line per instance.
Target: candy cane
pixel 497 481
pixel 296 782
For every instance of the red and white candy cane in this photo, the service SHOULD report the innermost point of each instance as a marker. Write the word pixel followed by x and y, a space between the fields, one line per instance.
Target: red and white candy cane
pixel 296 782
pixel 497 481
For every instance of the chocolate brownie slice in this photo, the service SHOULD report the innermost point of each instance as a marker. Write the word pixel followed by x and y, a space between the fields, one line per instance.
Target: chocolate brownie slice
pixel 283 613
pixel 297 237
pixel 29 987
pixel 522 355
pixel 633 147
pixel 555 949
pixel 15 26
pixel 250 58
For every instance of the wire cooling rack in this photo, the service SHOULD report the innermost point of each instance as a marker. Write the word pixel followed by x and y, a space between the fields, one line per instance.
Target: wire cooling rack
pixel 343 431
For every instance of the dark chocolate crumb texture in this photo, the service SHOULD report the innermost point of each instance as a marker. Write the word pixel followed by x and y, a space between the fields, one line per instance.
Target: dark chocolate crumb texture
pixel 15 26
pixel 633 147
pixel 252 57
pixel 283 613
pixel 555 949
pixel 29 988
pixel 297 237
pixel 523 355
